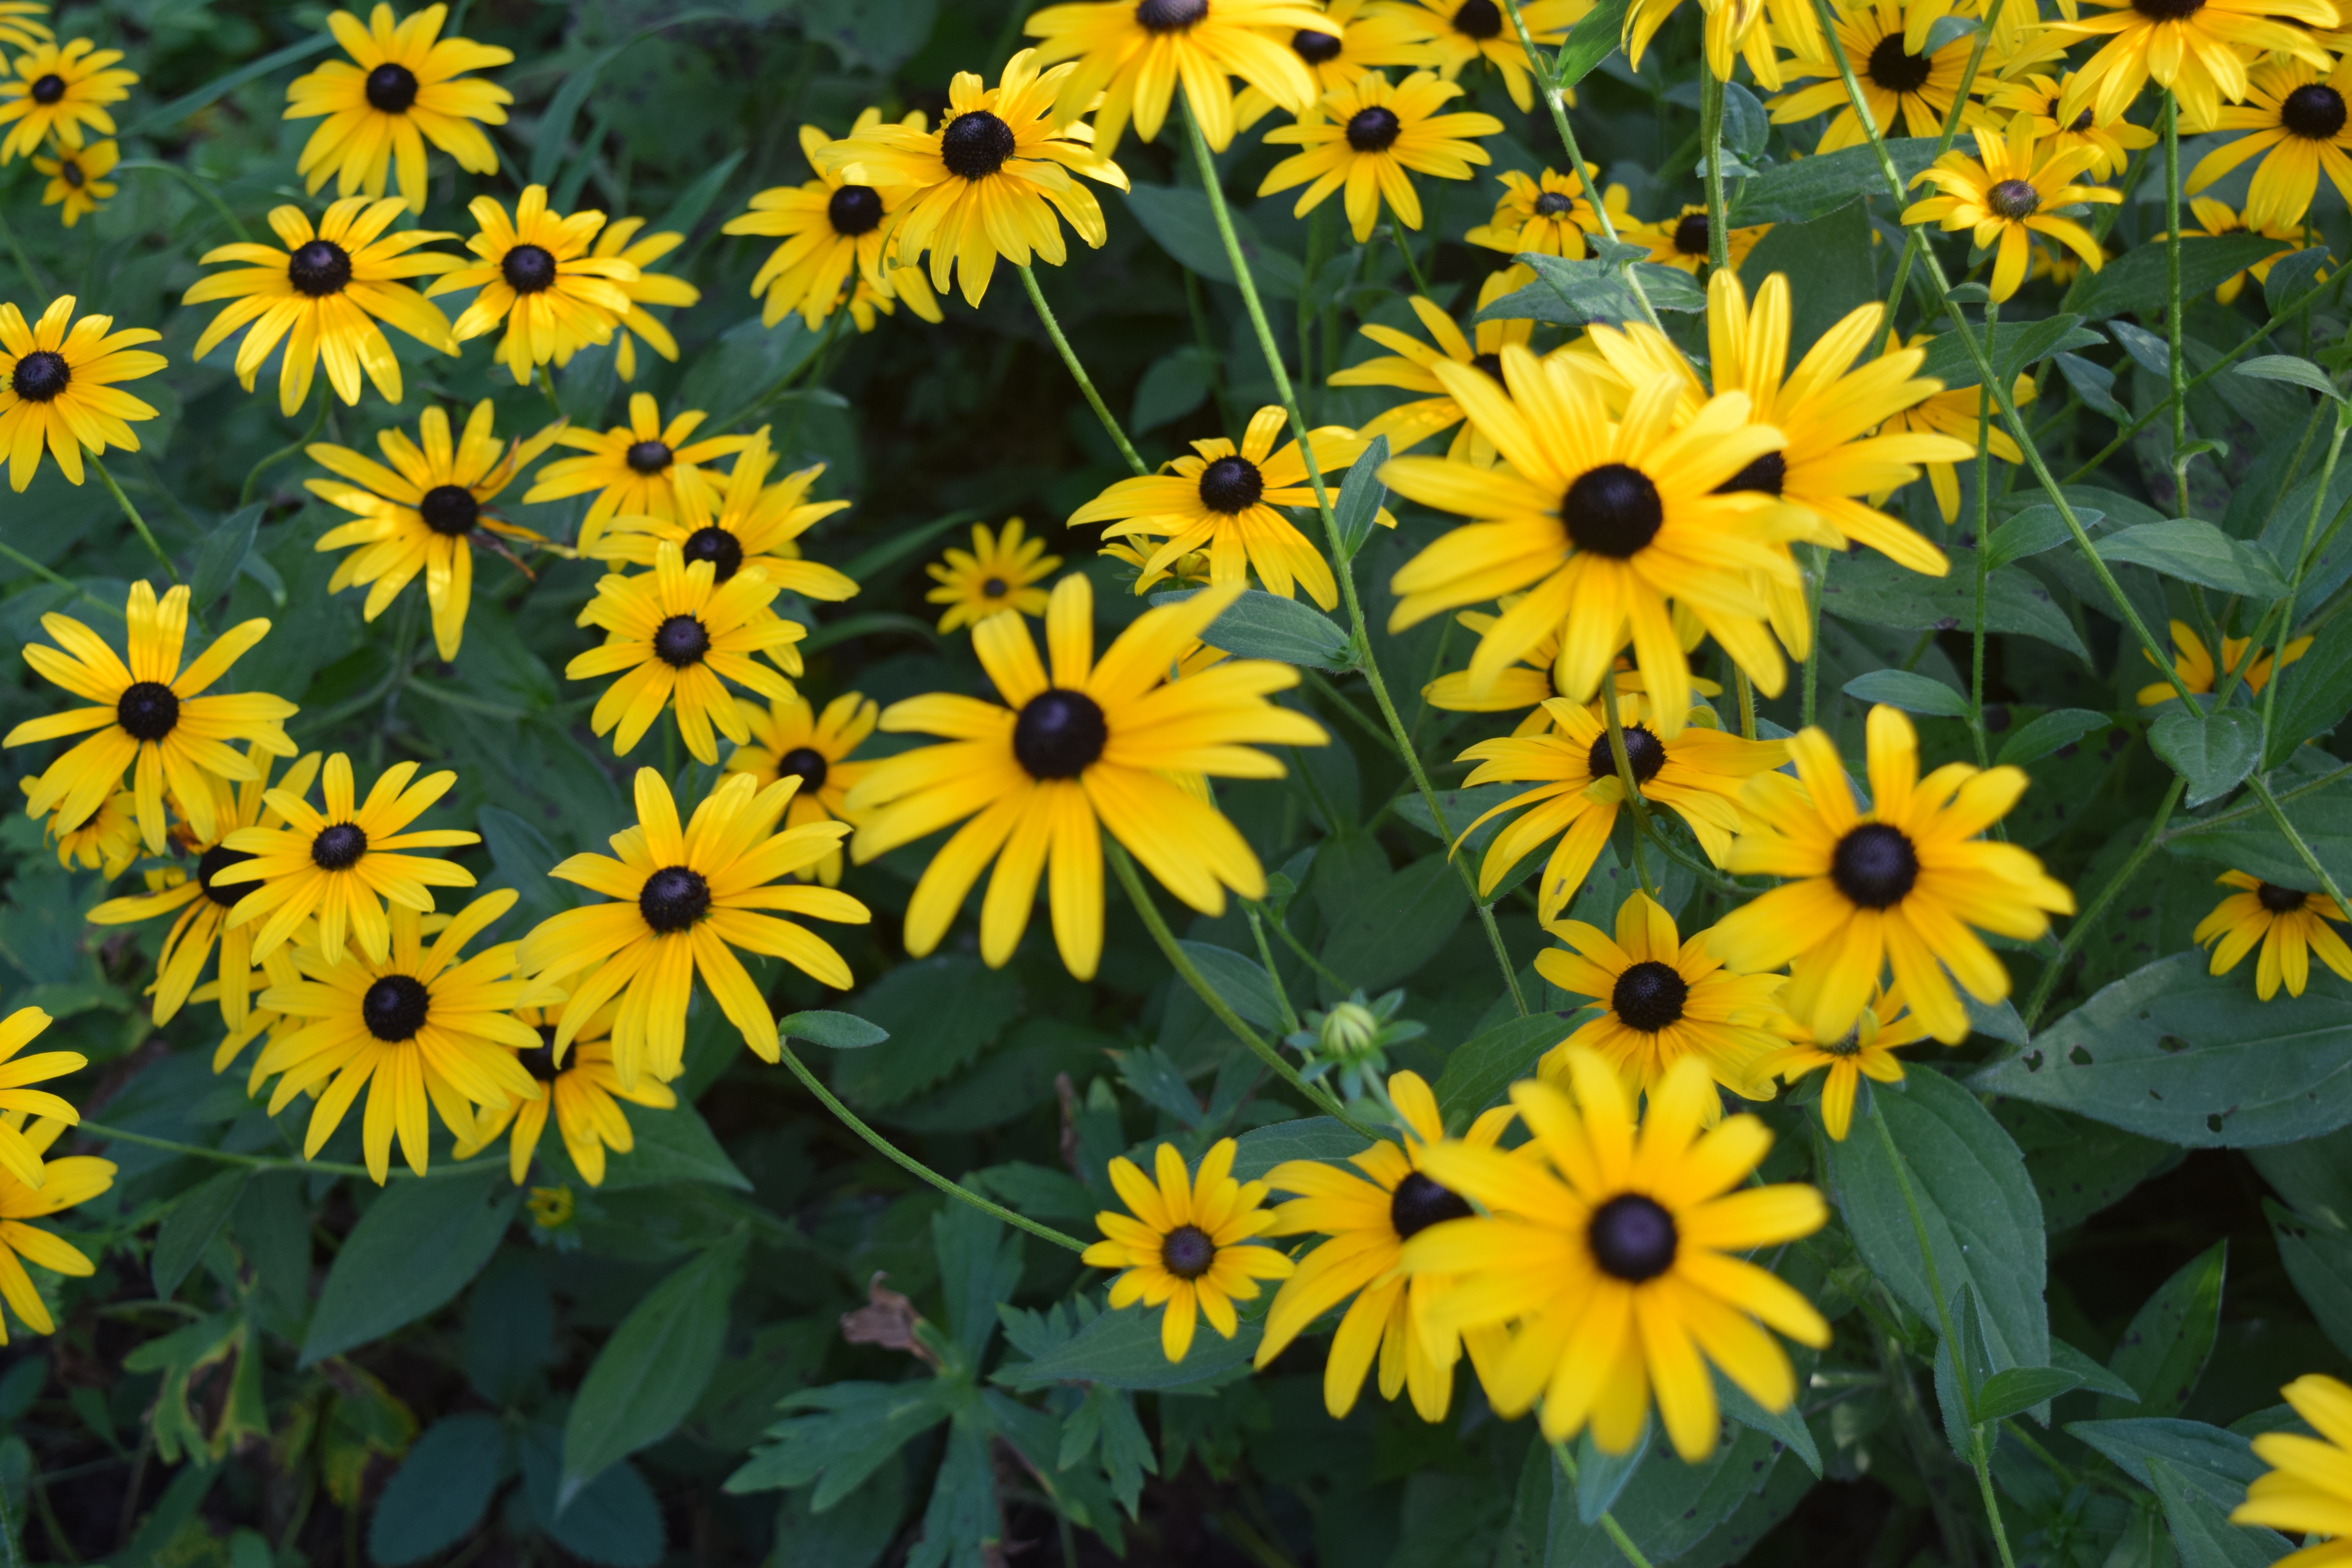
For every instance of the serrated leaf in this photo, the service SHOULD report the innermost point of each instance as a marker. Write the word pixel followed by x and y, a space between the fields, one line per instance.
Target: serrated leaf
pixel 1875 591
pixel 1122 1348
pixel 1260 624
pixel 1575 293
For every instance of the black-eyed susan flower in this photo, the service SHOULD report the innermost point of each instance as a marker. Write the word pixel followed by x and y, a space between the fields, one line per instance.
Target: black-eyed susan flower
pixel 1578 792
pixel 1681 241
pixel 1909 86
pixel 1352 37
pixel 1866 1051
pixel 1132 54
pixel 1366 1220
pixel 1957 415
pixel 1221 500
pixel 2039 95
pixel 640 469
pixel 73 1180
pixel 792 739
pixel 2294 119
pixel 322 296
pixel 2201 51
pixel 2307 1490
pixel 403 84
pixel 1613 1249
pixel 2012 189
pixel 619 242
pixel 1463 31
pixel 989 181
pixel 2290 924
pixel 1899 886
pixel 578 1088
pixel 2193 662
pixel 57 387
pixel 1551 213
pixel 833 231
pixel 421 514
pixel 20 1158
pixel 1187 1244
pixel 61 90
pixel 538 277
pixel 739 524
pixel 675 636
pixel 1002 571
pixel 1362 139
pixel 339 866
pixel 20 24
pixel 1407 368
pixel 419 1029
pixel 1732 31
pixel 2215 219
pixel 1079 747
pixel 204 904
pixel 679 903
pixel 150 717
pixel 1608 525
pixel 108 840
pixel 78 183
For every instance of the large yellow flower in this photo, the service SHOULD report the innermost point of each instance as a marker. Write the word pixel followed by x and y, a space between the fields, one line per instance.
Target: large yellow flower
pixel 150 716
pixel 2013 188
pixel 2193 662
pixel 1909 86
pixel 403 84
pixel 539 276
pixel 1466 30
pixel 1000 572
pixel 2307 1490
pixel 2296 120
pixel 20 1158
pixel 2201 50
pixel 747 524
pixel 791 740
pixel 1409 369
pixel 1133 53
pixel 1611 1243
pixel 582 1095
pixel 681 901
pixel 1899 885
pixel 58 90
pixel 1364 137
pixel 76 1179
pixel 989 181
pixel 1088 747
pixel 56 387
pixel 640 469
pixel 833 233
pixel 2290 924
pixel 1189 1244
pixel 78 183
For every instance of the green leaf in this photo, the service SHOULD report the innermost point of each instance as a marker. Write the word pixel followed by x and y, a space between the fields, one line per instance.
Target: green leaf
pixel 2313 1175
pixel 1574 293
pixel 2292 277
pixel 962 1520
pixel 2213 1461
pixel 2319 1260
pixel 2288 368
pixel 1593 39
pixel 2164 1352
pixel 1786 1427
pixel 1480 1070
pixel 2015 346
pixel 2253 845
pixel 1358 507
pixel 510 1331
pixel 2019 1389
pixel 415 1248
pixel 840 1434
pixel 2202 1533
pixel 441 1491
pixel 855 1534
pixel 1122 1349
pixel 2137 282
pixel 2035 529
pixel 979 1266
pixel 696 199
pixel 1828 265
pixel 1158 1081
pixel 2214 751
pixel 1875 591
pixel 1179 218
pixel 1911 692
pixel 1260 624
pixel 2315 692
pixel 221 555
pixel 1666 1508
pixel 1173 386
pixel 1322 1139
pixel 2173 1053
pixel 2089 1373
pixel 672 1145
pixel 1601 1476
pixel 654 1367
pixel 612 1520
pixel 2051 732
pixel 1410 916
pixel 522 858
pixel 940 1013
pixel 2195 552
pixel 1240 981
pixel 1814 187
pixel 196 1217
pixel 165 116
pixel 835 1031
pixel 902 543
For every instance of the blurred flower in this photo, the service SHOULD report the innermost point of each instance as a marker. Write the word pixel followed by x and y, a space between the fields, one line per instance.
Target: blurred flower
pixel 2201 52
pixel 76 1179
pixel 2038 96
pixel 538 276
pixel 56 387
pixel 1408 425
pixel 77 179
pixel 1682 240
pixel 1000 572
pixel 833 231
pixel 638 469
pixel 551 1208
pixel 19 28
pixel 2194 663
pixel 1352 1039
pixel 107 839
pixel 580 1094
pixel 790 739
pixel 1909 86
pixel 2012 188
pixel 405 86
pixel 1132 53
pixel 2295 119
pixel 1867 1051
pixel 2307 1490
pixel 2290 923
pixel 2215 219
pixel 1466 30
pixel 1353 37
pixel 739 524
pixel 57 90
pixel 1551 213
pixel 1190 1244
pixel 1365 136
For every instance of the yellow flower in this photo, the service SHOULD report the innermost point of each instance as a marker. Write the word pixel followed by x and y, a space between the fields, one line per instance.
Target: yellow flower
pixel 1190 1245
pixel 421 513
pixel 1551 213
pixel 1955 414
pixel 989 181
pixel 832 231
pixel 1868 1051
pixel 1611 1243
pixel 1222 499
pixel 2213 219
pixel 2305 1492
pixel 2296 121
pixel 2290 923
pixel 581 1094
pixel 679 902
pixel 1367 1223
pixel 1095 745
pixel 150 716
pixel 77 179
pixel 58 90
pixel 418 1030
pixel 322 296
pixel 674 635
pixel 56 387
pixel 1681 241
pixel 638 469
pixel 1898 885
pixel 618 242
pixel 2114 142
pixel 2201 52
pixel 20 1157
pixel 1365 136
pixel 2012 188
pixel 76 1179
pixel 1352 37
pixel 402 84
pixel 1909 86
pixel 2194 663
pixel 1000 572
pixel 1132 53
pixel 1466 30
pixel 789 740
pixel 550 1208
pixel 107 840
pixel 747 524
pixel 1409 369
pixel 1741 29
pixel 18 30
pixel 538 276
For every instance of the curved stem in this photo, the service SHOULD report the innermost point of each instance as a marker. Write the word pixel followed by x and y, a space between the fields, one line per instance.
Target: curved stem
pixel 1710 131
pixel 907 1162
pixel 318 421
pixel 1608 1522
pixel 131 512
pixel 10 553
pixel 1273 976
pixel 1412 271
pixel 2261 786
pixel 197 183
pixel 1078 371
pixel 105 1133
pixel 1983 554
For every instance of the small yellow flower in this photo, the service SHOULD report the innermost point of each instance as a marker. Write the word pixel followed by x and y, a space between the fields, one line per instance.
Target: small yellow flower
pixel 1411 368
pixel 1463 31
pixel 790 739
pixel 57 91
pixel 1365 137
pixel 1681 241
pixel 403 84
pixel 1132 54
pixel 2290 923
pixel 2194 663
pixel 618 242
pixel 538 277
pixel 1884 1027
pixel 1190 1245
pixel 2012 188
pixel 550 1208
pixel 56 387
pixel 1000 572
pixel 77 179
pixel 1551 213
pixel 76 1179
pixel 638 469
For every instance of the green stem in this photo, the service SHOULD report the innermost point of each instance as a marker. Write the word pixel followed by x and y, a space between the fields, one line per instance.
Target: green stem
pixel 197 183
pixel 1079 372
pixel 1710 131
pixel 1916 237
pixel 1983 554
pixel 2294 588
pixel 1321 684
pixel 2261 786
pixel 1273 976
pixel 2080 928
pixel 24 263
pixel 1608 1522
pixel 104 1133
pixel 10 553
pixel 2178 369
pixel 1817 577
pixel 1338 982
pixel 907 1162
pixel 131 512
pixel 1634 803
pixel 1412 268
pixel 253 475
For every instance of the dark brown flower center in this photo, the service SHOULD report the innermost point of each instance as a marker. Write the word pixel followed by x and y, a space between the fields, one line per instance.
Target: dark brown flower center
pixel 805 764
pixel 1768 474
pixel 1059 734
pixel 393 1008
pixel 1169 16
pixel 70 173
pixel 2280 900
pixel 211 864
pixel 1231 485
pixel 319 269
pixel 1644 750
pixel 1690 235
pixel 2315 112
pixel 1375 130
pixel 2167 10
pixel 1419 1202
pixel 673 899
pixel 50 89
pixel 1551 204
pixel 1633 1238
pixel 1874 865
pixel 449 510
pixel 976 144
pixel 854 210
pixel 1491 363
pixel 716 545
pixel 148 710
pixel 1612 510
pixel 1479 19
pixel 994 589
pixel 1648 995
pixel 1187 1252
pixel 649 458
pixel 1895 67
pixel 1314 47
pixel 339 846
pixel 527 269
pixel 40 376
pixel 680 641
pixel 2013 199
pixel 390 88
pixel 540 1063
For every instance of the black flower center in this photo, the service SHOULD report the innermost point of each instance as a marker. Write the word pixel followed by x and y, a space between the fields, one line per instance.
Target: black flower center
pixel 1690 233
pixel 854 210
pixel 1186 1252
pixel 1169 16
pixel 673 899
pixel 1875 864
pixel 1768 474
pixel 806 763
pixel 1551 204
pixel 450 510
pixel 2167 10
pixel 390 88
pixel 70 173
pixel 339 846
pixel 48 89
pixel 1648 995
pixel 2079 124
pixel 1633 1238
pixel 2314 112
pixel 2013 199
pixel 648 457
pixel 975 144
pixel 1491 363
pixel 716 545
pixel 1375 130
pixel 1231 485
pixel 2280 900
pixel 1644 750
pixel 1059 734
pixel 1896 68
pixel 1480 19
pixel 211 864
pixel 393 1008
pixel 994 589
pixel 1314 47
pixel 1613 511
pixel 40 376
pixel 1419 1202
pixel 527 269
pixel 540 1063
pixel 680 641
pixel 148 710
